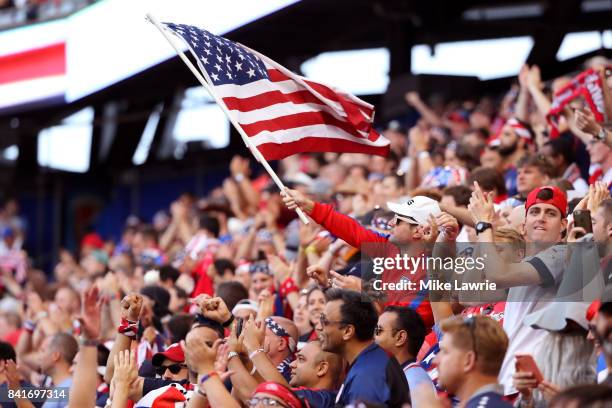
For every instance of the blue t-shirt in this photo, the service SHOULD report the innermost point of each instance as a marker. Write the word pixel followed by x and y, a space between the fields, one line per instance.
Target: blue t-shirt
pixel 510 181
pixel 62 388
pixel 316 398
pixel 374 377
pixel 489 399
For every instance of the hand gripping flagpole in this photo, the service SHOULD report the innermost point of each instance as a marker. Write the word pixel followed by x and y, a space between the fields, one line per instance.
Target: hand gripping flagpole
pixel 206 86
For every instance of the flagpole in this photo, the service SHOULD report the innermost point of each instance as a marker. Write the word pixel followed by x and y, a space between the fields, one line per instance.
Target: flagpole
pixel 254 150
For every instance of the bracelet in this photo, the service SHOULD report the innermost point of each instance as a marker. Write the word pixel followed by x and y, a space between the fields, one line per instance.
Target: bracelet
pixel 310 250
pixel 228 322
pixel 423 154
pixel 128 328
pixel 287 287
pixel 231 355
pixel 29 326
pixel 85 342
pixel 239 177
pixel 255 352
pixel 207 377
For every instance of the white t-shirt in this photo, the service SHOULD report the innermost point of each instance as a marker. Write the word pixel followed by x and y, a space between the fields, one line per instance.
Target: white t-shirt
pixel 522 300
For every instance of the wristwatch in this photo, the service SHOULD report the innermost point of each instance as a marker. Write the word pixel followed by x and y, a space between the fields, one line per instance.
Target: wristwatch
pixel 85 342
pixel 601 136
pixel 482 226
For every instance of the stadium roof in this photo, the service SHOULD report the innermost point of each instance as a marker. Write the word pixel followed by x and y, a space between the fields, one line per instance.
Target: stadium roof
pixel 306 29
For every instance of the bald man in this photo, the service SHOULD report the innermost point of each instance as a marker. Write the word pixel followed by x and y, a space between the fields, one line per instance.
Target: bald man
pixel 280 343
pixel 316 374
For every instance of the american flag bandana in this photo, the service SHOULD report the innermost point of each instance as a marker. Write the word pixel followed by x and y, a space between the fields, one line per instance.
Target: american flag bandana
pixel 282 113
pixel 278 330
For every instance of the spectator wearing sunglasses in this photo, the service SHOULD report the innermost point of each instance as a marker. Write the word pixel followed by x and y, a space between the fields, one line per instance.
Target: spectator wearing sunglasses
pixel 400 331
pixel 346 328
pixel 170 364
pixel 406 235
pixel 471 354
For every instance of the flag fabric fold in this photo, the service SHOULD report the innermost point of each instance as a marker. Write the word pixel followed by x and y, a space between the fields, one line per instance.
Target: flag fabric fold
pixel 281 112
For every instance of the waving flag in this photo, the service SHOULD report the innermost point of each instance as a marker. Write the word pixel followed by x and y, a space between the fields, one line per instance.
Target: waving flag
pixel 281 112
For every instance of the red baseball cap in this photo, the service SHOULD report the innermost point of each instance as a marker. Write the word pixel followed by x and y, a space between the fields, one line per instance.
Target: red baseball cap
pixel 558 199
pixel 174 352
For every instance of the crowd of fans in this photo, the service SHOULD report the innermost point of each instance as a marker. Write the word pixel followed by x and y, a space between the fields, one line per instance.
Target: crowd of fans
pixel 17 12
pixel 229 300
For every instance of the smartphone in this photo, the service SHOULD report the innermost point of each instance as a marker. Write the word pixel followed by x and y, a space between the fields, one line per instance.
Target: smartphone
pixel 582 219
pixel 239 324
pixel 525 362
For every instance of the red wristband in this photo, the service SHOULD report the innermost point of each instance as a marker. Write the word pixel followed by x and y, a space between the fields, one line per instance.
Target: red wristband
pixel 128 328
pixel 287 287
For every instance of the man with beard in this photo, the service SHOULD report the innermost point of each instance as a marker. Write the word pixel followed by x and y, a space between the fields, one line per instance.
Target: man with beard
pixel 513 143
pixel 315 374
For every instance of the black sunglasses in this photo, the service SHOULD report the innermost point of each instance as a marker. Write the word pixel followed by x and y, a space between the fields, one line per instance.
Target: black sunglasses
pixel 174 369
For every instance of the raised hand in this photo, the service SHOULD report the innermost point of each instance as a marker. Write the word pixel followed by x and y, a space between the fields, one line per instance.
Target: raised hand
pixel 345 282
pixel 575 234
pixel 585 121
pixel 90 318
pixel 598 192
pixel 481 205
pixel 131 306
pixel 198 355
pixel 281 270
pixel 431 231
pixel 266 304
pixel 523 76
pixel 126 371
pixel 412 98
pixel 254 333
pixel 319 274
pixel 534 79
pixel 419 139
pixel 235 342
pixel 294 199
pixel 448 225
pixel 35 306
pixel 239 165
pixel 213 308
pixel 308 232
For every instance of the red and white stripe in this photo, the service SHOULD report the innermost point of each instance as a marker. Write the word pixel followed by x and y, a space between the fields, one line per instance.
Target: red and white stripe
pixel 170 396
pixel 32 64
pixel 289 114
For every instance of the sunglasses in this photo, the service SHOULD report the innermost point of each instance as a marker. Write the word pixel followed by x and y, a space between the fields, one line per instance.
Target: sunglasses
pixel 470 322
pixel 174 369
pixel 265 401
pixel 378 330
pixel 326 322
pixel 397 218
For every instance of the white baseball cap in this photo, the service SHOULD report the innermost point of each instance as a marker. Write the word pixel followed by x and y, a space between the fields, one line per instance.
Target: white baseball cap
pixel 416 209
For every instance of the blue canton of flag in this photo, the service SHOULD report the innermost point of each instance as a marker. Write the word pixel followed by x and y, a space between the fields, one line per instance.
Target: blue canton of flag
pixel 223 61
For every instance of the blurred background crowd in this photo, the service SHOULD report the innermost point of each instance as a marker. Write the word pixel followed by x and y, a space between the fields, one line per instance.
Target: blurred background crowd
pixel 224 298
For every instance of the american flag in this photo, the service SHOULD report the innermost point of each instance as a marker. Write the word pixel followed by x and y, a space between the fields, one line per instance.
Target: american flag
pixel 281 112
